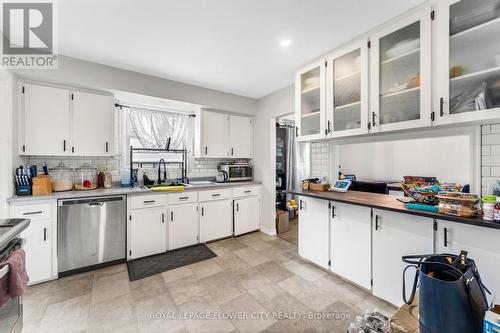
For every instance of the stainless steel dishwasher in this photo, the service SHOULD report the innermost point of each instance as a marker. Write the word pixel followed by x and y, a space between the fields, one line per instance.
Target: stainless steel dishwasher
pixel 90 233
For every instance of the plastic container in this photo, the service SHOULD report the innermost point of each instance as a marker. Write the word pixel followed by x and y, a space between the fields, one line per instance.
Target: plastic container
pixel 489 211
pixel 62 178
pixel 85 178
pixel 125 177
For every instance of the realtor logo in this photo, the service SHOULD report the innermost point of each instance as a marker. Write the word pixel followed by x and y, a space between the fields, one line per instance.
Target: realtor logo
pixel 28 35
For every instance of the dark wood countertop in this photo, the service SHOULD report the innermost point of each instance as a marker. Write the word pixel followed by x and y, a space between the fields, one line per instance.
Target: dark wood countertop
pixel 389 202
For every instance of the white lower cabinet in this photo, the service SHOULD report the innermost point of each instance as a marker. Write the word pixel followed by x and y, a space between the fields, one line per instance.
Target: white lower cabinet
pixel 147 232
pixel 246 215
pixel 481 244
pixel 41 240
pixel 183 225
pixel 314 232
pixel 396 235
pixel 216 220
pixel 38 250
pixel 350 243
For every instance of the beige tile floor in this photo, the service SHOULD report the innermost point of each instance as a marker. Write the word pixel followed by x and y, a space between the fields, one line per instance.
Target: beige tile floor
pixel 256 284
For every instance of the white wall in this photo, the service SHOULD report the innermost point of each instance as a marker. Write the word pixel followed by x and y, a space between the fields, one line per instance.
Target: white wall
pixel 6 173
pixel 85 74
pixel 269 108
pixel 447 158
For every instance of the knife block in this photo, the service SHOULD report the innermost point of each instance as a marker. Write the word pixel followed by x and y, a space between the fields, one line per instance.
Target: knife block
pixel 42 185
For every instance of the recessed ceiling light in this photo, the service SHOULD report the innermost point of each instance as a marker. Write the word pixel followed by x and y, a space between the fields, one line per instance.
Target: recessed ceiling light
pixel 286 43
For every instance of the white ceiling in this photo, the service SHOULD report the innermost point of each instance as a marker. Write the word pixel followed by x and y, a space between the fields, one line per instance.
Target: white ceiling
pixel 227 45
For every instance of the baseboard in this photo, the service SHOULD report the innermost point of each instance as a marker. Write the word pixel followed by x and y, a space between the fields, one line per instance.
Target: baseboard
pixel 270 232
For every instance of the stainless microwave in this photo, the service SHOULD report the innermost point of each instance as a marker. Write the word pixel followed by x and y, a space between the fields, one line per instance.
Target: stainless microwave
pixel 237 172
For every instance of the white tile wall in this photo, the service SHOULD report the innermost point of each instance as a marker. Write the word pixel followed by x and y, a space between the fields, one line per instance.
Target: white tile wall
pixel 490 159
pixel 320 159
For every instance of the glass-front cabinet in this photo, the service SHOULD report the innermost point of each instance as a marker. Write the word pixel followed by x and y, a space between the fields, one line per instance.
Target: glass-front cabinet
pixel 310 101
pixel 468 65
pixel 347 91
pixel 400 58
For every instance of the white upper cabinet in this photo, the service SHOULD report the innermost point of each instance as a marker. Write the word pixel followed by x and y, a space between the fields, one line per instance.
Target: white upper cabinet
pixel 468 66
pixel 310 101
pixel 59 122
pixel 240 137
pixel 46 120
pixel 92 113
pixel 223 135
pixel 401 74
pixel 347 91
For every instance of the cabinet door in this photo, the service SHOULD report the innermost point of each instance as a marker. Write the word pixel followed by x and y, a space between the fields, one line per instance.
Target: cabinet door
pixel 240 137
pixel 93 124
pixel 183 229
pixel 46 124
pixel 468 60
pixel 148 232
pixel 246 215
pixel 396 235
pixel 310 101
pixel 38 250
pixel 216 220
pixel 347 91
pixel 481 243
pixel 401 74
pixel 215 135
pixel 314 232
pixel 350 239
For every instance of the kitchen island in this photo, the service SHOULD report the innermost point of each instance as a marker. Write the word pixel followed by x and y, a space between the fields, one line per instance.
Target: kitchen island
pixel 361 237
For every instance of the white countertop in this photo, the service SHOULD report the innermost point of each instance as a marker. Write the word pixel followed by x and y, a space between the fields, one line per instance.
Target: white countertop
pixel 119 191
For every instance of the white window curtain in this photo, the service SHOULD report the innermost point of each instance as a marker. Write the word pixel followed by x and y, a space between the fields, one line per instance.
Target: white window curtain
pixel 151 129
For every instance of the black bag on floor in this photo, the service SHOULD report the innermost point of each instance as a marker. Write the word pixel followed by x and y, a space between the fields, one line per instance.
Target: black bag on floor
pixel 451 294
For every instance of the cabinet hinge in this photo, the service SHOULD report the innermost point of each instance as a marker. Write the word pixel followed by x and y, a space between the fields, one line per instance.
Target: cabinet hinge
pixel 433 116
pixel 435 226
pixel 371 282
pixel 329 262
pixel 433 15
pixel 23 90
pixel 369 44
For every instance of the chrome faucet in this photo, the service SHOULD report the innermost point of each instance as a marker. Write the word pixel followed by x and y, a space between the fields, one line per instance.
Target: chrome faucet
pixel 164 171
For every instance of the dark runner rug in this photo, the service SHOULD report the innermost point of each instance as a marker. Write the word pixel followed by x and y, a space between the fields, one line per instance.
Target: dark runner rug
pixel 158 263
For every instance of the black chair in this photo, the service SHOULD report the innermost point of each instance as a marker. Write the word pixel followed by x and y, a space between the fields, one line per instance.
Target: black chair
pixel 372 187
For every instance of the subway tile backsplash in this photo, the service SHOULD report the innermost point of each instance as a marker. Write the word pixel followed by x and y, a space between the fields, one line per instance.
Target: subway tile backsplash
pixel 196 168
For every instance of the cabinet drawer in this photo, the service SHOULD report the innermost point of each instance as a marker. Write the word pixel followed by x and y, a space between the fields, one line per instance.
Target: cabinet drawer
pixel 34 212
pixel 246 191
pixel 147 201
pixel 183 197
pixel 215 194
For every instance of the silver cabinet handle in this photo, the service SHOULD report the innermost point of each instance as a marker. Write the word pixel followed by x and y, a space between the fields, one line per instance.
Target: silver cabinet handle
pixel 33 213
